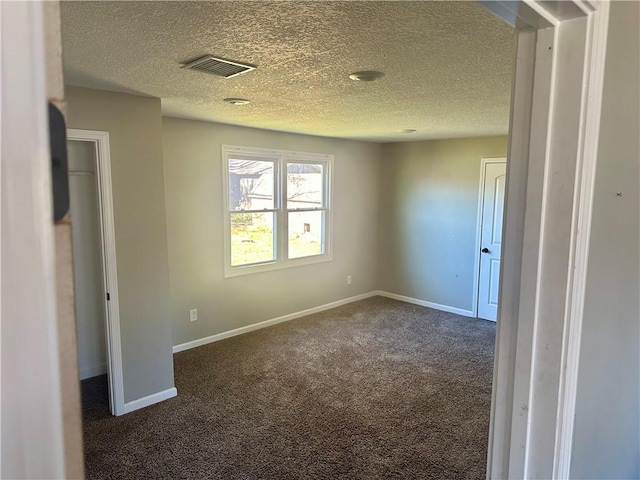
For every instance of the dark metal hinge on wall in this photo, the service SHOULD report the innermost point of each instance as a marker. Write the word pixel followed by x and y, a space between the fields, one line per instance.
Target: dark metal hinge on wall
pixel 108 297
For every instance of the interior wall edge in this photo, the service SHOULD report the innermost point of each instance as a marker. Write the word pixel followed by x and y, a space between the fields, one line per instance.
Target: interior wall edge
pixel 135 145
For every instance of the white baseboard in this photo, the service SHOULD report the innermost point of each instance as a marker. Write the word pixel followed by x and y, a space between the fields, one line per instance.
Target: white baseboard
pixel 424 303
pixel 267 323
pixel 149 400
pixel 93 371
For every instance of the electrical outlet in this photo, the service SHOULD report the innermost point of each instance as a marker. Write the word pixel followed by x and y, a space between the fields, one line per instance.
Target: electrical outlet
pixel 193 314
pixel 348 279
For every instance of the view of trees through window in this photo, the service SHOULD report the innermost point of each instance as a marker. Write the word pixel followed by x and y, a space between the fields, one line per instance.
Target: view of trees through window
pixel 255 210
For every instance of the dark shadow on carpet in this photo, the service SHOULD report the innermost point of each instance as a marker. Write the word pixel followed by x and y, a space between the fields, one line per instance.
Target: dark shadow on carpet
pixel 95 392
pixel 375 389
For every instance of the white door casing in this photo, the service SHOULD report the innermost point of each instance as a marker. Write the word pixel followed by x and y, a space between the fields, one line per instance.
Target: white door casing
pixel 491 206
pixel 99 141
pixel 554 130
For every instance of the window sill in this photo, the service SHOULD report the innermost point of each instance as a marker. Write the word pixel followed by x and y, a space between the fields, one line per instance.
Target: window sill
pixel 230 272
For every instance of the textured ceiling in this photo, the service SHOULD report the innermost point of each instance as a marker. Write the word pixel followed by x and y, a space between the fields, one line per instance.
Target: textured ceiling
pixel 447 64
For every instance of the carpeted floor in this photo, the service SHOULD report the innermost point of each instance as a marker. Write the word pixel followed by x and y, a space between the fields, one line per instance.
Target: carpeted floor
pixel 95 392
pixel 375 389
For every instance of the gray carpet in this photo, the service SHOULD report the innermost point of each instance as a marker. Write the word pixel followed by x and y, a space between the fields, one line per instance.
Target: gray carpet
pixel 375 389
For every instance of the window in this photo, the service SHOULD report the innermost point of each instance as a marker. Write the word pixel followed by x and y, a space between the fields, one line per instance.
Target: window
pixel 277 209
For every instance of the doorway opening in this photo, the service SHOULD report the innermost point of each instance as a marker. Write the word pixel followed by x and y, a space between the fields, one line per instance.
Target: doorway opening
pixel 532 273
pixel 95 270
pixel 88 274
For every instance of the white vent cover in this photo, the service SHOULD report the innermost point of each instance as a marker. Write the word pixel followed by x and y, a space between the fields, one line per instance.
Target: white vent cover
pixel 219 66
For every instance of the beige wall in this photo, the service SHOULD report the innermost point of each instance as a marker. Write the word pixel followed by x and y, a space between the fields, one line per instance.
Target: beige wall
pixel 135 128
pixel 193 184
pixel 429 203
pixel 607 428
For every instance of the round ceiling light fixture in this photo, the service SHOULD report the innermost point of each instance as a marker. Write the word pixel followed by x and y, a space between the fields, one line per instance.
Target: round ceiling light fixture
pixel 237 101
pixel 407 130
pixel 366 76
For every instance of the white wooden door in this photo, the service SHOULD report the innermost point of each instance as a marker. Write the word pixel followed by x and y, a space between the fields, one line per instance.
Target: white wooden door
pixel 494 184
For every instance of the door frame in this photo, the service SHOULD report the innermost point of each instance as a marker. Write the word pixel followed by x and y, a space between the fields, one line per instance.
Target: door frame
pixel 553 145
pixel 100 141
pixel 484 161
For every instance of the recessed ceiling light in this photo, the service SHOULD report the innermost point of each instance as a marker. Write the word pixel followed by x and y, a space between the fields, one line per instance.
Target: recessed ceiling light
pixel 407 130
pixel 237 101
pixel 366 76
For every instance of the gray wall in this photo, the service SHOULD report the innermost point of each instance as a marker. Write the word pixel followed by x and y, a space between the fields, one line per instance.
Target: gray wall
pixel 135 128
pixel 429 207
pixel 193 184
pixel 607 429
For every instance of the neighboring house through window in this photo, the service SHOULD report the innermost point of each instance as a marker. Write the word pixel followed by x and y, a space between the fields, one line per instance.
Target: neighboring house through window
pixel 277 209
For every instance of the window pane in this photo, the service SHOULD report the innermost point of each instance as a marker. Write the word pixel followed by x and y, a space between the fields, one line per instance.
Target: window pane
pixel 305 185
pixel 252 238
pixel 251 184
pixel 306 234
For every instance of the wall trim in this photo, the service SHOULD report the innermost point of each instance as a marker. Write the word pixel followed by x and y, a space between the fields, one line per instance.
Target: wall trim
pixel 267 323
pixel 321 308
pixel 424 303
pixel 150 400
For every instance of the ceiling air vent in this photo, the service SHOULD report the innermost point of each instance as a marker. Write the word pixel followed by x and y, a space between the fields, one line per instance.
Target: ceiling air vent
pixel 219 66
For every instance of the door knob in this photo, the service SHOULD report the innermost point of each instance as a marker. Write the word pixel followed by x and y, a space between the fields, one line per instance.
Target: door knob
pixel 485 250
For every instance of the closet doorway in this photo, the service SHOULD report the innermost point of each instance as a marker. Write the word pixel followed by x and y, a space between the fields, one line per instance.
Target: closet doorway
pixel 95 271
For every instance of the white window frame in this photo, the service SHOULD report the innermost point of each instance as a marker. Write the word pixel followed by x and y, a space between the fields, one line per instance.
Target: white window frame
pixel 281 213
